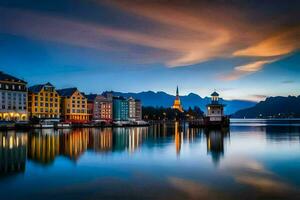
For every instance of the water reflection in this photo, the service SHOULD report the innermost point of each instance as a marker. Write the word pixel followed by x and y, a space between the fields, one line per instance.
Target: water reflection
pixel 12 152
pixel 172 159
pixel 45 145
pixel 215 143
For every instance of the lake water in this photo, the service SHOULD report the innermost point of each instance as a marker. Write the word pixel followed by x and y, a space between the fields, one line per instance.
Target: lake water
pixel 251 160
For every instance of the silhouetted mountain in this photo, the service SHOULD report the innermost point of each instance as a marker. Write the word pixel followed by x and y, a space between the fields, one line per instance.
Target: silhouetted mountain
pixel 279 107
pixel 162 99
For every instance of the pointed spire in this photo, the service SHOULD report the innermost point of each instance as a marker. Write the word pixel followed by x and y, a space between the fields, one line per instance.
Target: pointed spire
pixel 177 91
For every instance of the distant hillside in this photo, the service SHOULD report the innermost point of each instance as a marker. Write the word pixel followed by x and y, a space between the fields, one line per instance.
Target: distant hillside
pixel 280 107
pixel 162 99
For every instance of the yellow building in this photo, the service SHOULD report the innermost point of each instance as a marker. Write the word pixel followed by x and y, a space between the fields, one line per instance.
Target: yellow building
pixel 73 105
pixel 177 104
pixel 43 101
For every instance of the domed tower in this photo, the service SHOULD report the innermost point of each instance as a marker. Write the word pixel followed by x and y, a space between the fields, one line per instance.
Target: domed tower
pixel 177 104
pixel 215 110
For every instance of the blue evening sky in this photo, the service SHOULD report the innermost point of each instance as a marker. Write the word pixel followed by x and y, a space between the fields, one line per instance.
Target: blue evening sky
pixel 243 50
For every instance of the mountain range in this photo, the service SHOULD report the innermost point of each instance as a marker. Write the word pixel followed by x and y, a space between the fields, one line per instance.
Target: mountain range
pixel 162 99
pixel 276 107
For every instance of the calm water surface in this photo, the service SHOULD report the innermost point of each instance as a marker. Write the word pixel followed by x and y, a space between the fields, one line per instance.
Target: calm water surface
pixel 250 160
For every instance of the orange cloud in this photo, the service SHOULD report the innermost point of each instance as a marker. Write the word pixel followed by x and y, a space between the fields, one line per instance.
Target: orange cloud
pixel 177 34
pixel 245 70
pixel 280 44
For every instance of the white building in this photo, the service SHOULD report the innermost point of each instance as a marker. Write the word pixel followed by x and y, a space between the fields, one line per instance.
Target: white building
pixel 135 109
pixel 13 98
pixel 215 110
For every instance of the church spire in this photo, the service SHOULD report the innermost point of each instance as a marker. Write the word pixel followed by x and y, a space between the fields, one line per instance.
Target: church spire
pixel 177 104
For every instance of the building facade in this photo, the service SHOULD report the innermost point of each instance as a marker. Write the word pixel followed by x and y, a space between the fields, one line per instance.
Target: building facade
pixel 120 109
pixel 43 102
pixel 100 108
pixel 73 106
pixel 13 98
pixel 215 110
pixel 134 109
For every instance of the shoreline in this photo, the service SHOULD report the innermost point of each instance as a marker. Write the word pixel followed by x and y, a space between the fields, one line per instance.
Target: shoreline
pixel 72 126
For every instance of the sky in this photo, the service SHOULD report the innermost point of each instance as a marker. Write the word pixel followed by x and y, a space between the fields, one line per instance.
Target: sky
pixel 243 49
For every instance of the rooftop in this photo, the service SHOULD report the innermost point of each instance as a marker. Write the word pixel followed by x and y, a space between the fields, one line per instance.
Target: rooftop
pixel 67 92
pixel 38 88
pixel 7 77
pixel 214 94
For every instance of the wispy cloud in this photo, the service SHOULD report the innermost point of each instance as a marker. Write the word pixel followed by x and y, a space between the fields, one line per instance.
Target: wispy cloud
pixel 287 81
pixel 245 70
pixel 180 33
pixel 280 44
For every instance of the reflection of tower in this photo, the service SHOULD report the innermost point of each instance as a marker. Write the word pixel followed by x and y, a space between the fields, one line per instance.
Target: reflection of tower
pixel 177 104
pixel 13 149
pixel 215 144
pixel 178 138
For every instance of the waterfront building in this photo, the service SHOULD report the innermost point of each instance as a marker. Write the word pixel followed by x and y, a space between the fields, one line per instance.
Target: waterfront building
pixel 177 104
pixel 120 109
pixel 43 102
pixel 73 105
pixel 135 109
pixel 13 98
pixel 100 108
pixel 108 95
pixel 215 110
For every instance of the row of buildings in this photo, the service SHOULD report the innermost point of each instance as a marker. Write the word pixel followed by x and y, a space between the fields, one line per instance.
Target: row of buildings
pixel 19 103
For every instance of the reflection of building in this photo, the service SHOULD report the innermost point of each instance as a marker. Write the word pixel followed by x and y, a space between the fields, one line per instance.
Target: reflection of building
pixel 13 149
pixel 135 109
pixel 43 146
pixel 75 143
pixel 215 144
pixel 101 140
pixel 178 139
pixel 73 105
pixel 43 101
pixel 128 138
pixel 135 138
pixel 13 98
pixel 177 104
pixel 99 108
pixel 120 109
